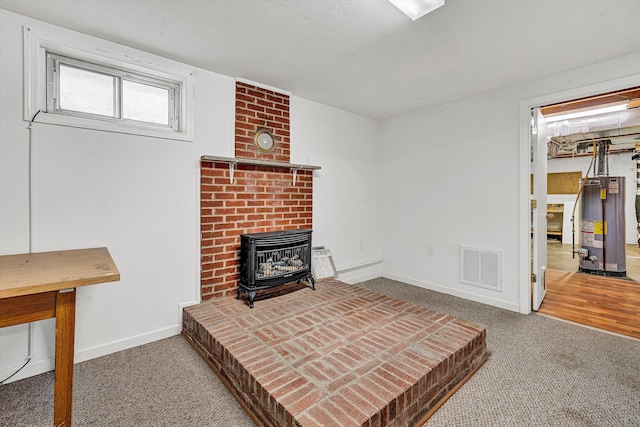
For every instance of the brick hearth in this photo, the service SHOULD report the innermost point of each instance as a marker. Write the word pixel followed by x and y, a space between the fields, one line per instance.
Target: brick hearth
pixel 337 356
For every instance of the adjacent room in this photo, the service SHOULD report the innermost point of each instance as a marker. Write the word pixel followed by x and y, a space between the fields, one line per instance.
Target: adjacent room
pixel 592 179
pixel 319 213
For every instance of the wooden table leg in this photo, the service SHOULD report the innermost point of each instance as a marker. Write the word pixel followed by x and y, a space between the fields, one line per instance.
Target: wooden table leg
pixel 65 332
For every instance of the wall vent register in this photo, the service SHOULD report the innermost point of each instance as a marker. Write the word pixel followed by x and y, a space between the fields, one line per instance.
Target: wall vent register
pixel 481 267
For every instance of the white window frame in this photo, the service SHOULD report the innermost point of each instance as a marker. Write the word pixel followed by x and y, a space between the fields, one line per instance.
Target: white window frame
pixel 90 50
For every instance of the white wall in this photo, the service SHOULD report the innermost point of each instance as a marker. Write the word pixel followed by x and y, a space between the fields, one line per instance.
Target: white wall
pixel 449 182
pixel 346 191
pixel 139 197
pixel 620 164
pixel 457 174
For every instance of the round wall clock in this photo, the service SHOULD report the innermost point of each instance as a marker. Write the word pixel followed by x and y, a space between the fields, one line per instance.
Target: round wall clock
pixel 264 141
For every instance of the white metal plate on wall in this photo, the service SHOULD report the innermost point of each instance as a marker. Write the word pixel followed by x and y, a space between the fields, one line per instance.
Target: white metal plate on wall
pixel 481 267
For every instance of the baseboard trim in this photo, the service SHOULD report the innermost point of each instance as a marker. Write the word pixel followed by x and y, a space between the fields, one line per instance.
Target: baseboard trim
pixel 359 266
pixel 360 272
pixel 455 292
pixel 37 367
pixel 359 277
pixel 126 343
pixel 34 367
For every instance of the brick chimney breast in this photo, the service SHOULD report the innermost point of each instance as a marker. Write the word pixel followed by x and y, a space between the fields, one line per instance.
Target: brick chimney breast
pixel 255 192
pixel 261 109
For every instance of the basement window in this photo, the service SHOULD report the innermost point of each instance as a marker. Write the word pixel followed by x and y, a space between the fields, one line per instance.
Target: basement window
pixel 86 89
pixel 90 83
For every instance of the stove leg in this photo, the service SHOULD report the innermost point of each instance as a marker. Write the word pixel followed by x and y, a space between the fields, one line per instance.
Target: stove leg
pixel 251 295
pixel 239 292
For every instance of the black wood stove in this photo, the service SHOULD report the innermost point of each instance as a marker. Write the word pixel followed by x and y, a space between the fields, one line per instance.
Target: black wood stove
pixel 272 259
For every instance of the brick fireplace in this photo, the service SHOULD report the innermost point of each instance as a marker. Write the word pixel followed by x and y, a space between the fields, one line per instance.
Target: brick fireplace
pixel 254 192
pixel 342 355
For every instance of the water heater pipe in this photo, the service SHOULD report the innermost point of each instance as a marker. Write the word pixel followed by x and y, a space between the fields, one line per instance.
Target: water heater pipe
pixel 603 198
pixel 573 213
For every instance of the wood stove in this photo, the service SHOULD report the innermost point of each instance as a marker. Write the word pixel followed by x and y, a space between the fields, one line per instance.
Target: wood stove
pixel 272 259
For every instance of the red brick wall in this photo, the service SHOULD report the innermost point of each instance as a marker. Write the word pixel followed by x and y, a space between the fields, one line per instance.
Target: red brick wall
pixel 259 199
pixel 258 108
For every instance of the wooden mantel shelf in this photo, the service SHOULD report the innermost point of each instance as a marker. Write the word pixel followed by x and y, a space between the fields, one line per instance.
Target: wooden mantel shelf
pixel 258 162
pixel 233 161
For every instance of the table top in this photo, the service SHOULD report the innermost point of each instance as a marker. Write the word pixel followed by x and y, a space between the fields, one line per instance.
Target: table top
pixel 27 274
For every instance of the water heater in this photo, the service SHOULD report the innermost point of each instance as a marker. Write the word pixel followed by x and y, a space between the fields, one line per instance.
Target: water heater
pixel 602 227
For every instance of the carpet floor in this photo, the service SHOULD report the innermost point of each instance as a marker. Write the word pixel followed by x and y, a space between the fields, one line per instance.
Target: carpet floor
pixel 540 372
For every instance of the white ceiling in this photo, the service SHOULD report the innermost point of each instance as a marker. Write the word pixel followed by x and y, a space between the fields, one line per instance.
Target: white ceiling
pixel 362 56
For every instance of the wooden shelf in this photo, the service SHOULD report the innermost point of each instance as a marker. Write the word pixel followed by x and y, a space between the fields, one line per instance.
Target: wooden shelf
pixel 554 222
pixel 258 162
pixel 233 161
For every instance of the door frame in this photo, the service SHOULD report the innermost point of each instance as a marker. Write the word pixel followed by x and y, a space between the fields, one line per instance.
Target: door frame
pixel 526 105
pixel 539 212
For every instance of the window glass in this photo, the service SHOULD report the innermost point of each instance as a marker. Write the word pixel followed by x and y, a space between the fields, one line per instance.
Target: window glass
pixel 87 91
pixel 145 103
pixel 81 88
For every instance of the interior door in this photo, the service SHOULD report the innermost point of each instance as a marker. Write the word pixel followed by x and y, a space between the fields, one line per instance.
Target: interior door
pixel 539 207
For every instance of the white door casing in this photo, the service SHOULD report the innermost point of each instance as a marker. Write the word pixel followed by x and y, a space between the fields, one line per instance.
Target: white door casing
pixel 539 206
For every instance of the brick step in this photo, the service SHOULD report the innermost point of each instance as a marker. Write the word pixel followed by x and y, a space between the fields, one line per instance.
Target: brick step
pixel 341 355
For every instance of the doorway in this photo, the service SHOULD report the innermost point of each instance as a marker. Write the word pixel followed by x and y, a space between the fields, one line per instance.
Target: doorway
pixel 607 127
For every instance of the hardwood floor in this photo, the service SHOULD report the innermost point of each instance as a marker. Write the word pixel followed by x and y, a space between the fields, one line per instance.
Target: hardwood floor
pixel 612 304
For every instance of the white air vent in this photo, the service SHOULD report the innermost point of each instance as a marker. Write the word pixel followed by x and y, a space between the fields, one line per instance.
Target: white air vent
pixel 481 267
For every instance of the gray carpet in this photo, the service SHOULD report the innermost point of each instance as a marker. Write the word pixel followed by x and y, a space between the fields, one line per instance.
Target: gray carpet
pixel 541 372
pixel 164 383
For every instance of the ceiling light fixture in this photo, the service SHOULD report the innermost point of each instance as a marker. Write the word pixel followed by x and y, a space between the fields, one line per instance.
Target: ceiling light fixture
pixel 586 113
pixel 414 9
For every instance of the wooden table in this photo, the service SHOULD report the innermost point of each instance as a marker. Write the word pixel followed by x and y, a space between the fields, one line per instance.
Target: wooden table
pixel 43 285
